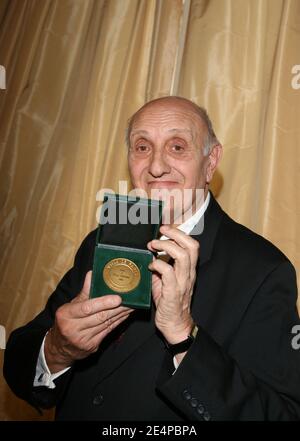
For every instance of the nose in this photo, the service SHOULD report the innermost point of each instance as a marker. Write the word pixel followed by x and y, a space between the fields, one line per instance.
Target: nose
pixel 158 165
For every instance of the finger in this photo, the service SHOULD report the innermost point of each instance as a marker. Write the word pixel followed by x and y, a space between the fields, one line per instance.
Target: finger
pixel 87 285
pixel 89 307
pixel 184 240
pixel 179 254
pixel 168 278
pixel 102 316
pixel 156 287
pixel 107 324
pixel 171 248
pixel 150 247
pixel 85 292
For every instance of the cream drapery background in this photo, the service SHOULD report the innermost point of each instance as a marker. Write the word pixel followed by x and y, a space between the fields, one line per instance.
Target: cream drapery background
pixel 77 69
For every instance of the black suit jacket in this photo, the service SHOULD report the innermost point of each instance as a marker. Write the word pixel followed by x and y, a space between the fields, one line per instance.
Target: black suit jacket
pixel 241 365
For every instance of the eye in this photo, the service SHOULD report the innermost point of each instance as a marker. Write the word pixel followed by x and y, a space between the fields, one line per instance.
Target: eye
pixel 177 147
pixel 141 148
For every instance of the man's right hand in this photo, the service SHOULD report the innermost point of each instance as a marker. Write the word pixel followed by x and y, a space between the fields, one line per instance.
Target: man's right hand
pixel 80 326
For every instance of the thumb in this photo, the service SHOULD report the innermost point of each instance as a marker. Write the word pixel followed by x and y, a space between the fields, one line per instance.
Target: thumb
pixel 85 292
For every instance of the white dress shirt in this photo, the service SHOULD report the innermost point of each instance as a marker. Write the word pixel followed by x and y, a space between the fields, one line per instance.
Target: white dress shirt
pixel 43 376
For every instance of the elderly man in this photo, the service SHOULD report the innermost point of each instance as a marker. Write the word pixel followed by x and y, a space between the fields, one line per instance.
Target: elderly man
pixel 217 343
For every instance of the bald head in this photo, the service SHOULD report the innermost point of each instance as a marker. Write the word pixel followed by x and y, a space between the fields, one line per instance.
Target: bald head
pixel 178 102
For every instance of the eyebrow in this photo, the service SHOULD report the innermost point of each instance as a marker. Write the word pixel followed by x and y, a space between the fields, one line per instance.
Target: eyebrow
pixel 138 132
pixel 181 130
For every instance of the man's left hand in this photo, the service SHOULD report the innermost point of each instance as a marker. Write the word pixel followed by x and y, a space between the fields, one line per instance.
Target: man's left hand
pixel 172 286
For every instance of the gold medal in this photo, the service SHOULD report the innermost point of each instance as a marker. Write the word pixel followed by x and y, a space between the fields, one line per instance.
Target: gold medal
pixel 121 275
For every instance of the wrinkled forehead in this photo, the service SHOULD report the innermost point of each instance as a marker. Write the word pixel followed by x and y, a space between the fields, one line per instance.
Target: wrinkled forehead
pixel 168 116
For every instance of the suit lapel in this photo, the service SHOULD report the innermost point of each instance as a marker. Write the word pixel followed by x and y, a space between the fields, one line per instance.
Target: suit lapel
pixel 212 219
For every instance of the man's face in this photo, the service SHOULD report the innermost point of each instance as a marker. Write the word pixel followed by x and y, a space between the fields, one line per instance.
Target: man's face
pixel 166 152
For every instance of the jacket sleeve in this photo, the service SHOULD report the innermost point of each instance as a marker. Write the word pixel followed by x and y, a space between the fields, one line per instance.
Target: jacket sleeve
pixel 24 343
pixel 257 377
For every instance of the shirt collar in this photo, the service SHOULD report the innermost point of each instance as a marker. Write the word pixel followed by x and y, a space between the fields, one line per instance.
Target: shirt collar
pixel 190 223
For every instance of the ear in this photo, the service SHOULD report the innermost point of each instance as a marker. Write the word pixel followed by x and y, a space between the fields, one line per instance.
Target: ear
pixel 213 160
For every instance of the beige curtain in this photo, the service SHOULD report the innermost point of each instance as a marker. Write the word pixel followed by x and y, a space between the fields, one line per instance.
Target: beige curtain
pixel 77 69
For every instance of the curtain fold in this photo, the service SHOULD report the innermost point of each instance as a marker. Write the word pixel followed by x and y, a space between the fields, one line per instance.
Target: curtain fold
pixel 237 62
pixel 77 69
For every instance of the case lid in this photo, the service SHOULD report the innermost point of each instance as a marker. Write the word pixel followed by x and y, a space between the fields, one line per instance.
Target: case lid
pixel 129 221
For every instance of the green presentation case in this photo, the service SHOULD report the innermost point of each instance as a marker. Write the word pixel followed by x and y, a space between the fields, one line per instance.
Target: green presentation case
pixel 121 256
